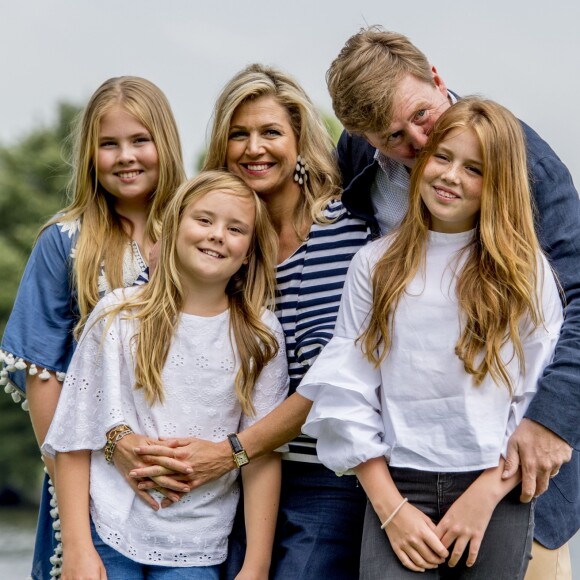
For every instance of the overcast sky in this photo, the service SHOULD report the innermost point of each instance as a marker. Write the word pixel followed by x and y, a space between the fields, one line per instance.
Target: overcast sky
pixel 523 53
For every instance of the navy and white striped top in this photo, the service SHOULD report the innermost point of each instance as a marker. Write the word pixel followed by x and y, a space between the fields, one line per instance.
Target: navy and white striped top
pixel 309 289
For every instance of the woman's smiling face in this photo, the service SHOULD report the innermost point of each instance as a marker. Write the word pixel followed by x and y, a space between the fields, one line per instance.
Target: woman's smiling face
pixel 262 147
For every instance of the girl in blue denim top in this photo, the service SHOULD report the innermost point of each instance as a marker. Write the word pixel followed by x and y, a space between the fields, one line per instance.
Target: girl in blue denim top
pixel 127 164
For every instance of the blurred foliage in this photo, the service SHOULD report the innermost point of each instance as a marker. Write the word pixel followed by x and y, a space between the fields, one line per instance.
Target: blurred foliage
pixel 333 126
pixel 34 173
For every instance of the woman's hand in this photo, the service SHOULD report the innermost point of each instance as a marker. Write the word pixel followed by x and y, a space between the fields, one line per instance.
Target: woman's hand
pixel 413 538
pixel 126 460
pixel 195 461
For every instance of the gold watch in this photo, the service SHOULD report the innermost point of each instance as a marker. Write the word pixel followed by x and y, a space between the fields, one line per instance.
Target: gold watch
pixel 239 453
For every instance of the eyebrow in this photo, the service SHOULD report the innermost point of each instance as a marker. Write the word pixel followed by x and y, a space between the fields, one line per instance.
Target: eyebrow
pixel 213 214
pixel 263 126
pixel 444 149
pixel 133 136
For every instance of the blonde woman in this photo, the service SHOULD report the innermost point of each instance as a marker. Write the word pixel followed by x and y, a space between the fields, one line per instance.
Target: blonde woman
pixel 267 131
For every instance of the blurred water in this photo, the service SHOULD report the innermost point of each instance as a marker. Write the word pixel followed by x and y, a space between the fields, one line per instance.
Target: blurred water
pixel 17 541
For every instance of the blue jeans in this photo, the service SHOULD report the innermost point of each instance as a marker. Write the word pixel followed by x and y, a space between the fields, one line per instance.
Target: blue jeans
pixel 319 526
pixel 506 547
pixel 120 567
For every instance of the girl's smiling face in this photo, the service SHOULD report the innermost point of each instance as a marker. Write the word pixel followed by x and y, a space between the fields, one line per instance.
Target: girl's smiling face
pixel 127 160
pixel 452 182
pixel 214 237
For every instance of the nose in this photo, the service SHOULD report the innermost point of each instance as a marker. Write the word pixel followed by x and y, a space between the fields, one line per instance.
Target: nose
pixel 417 137
pixel 254 145
pixel 216 234
pixel 126 153
pixel 450 174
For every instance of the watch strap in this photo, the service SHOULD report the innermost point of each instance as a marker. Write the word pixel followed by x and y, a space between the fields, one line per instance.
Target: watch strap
pixel 235 443
pixel 239 453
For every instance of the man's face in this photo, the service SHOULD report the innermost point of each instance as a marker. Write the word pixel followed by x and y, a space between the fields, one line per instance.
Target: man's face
pixel 417 106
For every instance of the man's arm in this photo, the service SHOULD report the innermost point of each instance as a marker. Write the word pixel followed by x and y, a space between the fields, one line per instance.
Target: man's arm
pixel 543 440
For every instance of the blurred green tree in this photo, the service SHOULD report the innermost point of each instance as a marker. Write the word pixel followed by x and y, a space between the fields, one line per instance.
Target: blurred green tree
pixel 34 173
pixel 333 125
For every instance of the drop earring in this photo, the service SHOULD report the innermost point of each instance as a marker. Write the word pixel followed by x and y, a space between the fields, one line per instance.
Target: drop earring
pixel 301 171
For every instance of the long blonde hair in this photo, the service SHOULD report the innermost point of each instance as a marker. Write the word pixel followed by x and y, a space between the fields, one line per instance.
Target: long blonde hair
pixel 314 143
pixel 102 238
pixel 157 305
pixel 497 285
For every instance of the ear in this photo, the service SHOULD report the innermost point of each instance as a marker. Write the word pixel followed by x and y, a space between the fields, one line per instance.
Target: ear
pixel 246 261
pixel 439 83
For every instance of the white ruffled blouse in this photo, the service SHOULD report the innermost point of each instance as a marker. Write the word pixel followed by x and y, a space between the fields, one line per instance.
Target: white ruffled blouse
pixel 419 409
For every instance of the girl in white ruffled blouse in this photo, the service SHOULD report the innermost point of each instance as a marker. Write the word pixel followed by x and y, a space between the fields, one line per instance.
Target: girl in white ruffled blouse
pixel 193 353
pixel 444 328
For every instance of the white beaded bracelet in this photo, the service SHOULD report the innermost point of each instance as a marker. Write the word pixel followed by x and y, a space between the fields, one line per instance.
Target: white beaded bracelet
pixel 390 518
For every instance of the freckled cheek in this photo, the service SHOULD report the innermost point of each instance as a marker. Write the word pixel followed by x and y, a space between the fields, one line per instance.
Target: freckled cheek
pixel 429 174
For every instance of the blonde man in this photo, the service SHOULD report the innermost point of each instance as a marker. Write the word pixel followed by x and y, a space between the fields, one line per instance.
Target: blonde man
pixel 388 96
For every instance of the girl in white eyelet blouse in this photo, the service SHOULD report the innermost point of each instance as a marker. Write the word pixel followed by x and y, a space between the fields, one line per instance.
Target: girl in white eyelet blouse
pixel 193 353
pixel 444 328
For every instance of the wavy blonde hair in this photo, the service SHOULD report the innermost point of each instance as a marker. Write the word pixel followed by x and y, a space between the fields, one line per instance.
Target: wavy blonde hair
pixel 157 305
pixel 497 285
pixel 102 238
pixel 314 142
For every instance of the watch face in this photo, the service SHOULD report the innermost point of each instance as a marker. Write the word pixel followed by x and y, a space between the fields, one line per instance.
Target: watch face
pixel 241 458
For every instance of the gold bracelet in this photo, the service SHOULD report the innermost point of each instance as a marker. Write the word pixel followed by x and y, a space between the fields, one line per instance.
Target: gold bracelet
pixel 113 437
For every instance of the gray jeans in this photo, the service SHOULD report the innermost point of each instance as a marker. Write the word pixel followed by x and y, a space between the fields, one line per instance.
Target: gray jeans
pixel 505 550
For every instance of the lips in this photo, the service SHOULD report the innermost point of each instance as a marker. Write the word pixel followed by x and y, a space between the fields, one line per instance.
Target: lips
pixel 445 193
pixel 211 253
pixel 128 174
pixel 257 167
